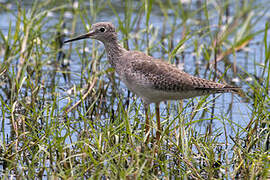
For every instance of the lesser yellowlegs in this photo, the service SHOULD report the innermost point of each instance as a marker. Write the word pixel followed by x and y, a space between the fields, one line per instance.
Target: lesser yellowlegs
pixel 151 79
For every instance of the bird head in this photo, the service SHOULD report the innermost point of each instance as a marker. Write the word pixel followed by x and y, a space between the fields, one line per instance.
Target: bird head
pixel 102 31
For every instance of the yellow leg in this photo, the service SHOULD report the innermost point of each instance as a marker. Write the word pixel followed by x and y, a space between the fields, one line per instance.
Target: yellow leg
pixel 158 122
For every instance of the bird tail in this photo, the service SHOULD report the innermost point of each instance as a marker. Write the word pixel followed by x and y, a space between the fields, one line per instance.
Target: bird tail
pixel 235 89
pixel 224 89
pixel 230 88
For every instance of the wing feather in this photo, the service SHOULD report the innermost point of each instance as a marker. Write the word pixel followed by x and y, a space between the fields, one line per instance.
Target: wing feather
pixel 142 69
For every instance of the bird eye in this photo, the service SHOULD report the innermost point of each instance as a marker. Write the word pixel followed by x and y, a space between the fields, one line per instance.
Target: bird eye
pixel 102 29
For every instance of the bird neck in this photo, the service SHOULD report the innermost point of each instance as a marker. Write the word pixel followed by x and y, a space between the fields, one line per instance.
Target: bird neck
pixel 114 51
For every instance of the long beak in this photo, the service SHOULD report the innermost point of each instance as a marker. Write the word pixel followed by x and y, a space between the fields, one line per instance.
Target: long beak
pixel 84 36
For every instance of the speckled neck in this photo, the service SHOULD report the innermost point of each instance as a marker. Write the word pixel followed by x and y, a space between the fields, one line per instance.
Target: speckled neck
pixel 114 51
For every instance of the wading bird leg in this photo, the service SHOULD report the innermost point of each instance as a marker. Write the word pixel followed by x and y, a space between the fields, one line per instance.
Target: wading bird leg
pixel 158 123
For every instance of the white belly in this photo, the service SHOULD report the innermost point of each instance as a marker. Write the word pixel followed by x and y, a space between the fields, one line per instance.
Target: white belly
pixel 150 95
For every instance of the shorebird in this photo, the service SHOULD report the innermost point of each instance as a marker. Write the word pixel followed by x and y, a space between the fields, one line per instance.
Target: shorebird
pixel 152 79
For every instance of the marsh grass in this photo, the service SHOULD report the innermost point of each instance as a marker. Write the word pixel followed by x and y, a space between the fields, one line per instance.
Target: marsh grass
pixel 65 114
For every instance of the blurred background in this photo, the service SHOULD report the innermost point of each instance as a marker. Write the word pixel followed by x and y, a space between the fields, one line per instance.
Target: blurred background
pixel 65 113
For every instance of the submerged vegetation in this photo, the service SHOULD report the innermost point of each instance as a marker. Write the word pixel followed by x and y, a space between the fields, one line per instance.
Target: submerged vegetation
pixel 64 112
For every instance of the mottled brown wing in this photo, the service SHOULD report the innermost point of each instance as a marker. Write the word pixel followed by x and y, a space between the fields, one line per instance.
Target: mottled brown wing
pixel 162 76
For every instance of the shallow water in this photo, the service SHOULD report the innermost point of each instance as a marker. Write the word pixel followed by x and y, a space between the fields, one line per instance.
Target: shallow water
pixel 191 60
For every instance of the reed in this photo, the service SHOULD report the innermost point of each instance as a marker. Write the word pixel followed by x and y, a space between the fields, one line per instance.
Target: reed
pixel 65 114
